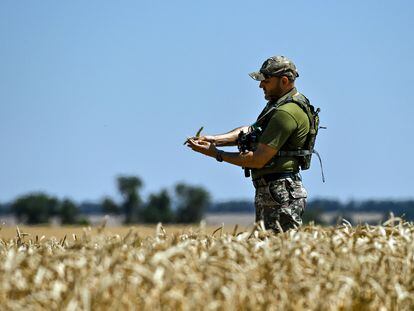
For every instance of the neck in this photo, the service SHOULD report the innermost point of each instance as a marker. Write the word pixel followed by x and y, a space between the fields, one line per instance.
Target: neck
pixel 287 91
pixel 276 98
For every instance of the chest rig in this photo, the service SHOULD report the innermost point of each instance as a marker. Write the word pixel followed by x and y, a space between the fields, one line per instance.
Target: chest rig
pixel 248 141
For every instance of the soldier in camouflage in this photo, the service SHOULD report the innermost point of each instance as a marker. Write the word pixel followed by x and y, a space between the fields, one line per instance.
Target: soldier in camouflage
pixel 280 131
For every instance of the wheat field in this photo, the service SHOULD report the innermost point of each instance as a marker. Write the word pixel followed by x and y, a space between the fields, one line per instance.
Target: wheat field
pixel 313 268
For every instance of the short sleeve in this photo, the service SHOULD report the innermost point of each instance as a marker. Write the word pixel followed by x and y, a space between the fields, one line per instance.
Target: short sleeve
pixel 280 127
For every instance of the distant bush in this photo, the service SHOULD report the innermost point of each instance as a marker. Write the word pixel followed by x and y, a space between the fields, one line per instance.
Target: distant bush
pixel 35 208
pixel 158 208
pixel 192 202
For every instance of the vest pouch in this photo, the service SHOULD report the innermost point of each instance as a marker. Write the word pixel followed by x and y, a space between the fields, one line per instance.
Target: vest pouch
pixel 305 162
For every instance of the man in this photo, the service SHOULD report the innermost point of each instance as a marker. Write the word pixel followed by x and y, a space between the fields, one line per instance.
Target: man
pixel 280 134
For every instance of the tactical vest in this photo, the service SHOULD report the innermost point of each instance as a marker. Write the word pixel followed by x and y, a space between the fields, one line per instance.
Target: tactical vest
pixel 304 154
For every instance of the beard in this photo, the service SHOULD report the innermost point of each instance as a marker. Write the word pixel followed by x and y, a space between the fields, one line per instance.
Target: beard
pixel 269 97
pixel 274 93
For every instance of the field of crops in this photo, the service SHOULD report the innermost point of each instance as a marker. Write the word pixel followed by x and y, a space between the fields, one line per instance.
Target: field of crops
pixel 314 268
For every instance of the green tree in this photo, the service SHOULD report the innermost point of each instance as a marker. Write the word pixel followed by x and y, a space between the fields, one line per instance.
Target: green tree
pixel 110 207
pixel 158 208
pixel 35 208
pixel 128 186
pixel 192 203
pixel 69 212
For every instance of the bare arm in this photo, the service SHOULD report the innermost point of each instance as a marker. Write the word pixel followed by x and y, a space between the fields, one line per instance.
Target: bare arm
pixel 227 139
pixel 250 159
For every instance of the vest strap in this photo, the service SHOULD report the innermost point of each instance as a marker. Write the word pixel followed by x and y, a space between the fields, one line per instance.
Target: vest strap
pixel 294 153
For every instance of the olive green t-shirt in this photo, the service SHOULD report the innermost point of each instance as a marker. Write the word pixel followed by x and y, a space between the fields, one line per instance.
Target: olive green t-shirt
pixel 286 130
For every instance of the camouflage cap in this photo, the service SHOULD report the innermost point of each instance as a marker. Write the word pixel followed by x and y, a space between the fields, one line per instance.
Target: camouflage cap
pixel 276 66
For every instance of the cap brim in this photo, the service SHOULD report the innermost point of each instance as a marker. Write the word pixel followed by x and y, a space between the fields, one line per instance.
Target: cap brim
pixel 258 76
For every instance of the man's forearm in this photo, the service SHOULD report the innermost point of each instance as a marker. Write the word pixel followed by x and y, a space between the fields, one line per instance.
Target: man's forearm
pixel 246 159
pixel 230 138
pixel 249 159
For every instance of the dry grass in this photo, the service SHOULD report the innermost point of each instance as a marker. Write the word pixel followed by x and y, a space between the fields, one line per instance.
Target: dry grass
pixel 59 232
pixel 314 268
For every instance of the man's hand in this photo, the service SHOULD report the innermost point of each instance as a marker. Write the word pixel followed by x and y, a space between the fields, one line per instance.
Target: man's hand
pixel 208 138
pixel 197 135
pixel 202 146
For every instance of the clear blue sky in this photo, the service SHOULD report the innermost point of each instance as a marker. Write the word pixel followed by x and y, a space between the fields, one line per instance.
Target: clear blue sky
pixel 93 89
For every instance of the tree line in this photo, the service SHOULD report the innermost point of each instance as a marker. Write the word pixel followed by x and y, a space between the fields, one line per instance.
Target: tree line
pixel 186 204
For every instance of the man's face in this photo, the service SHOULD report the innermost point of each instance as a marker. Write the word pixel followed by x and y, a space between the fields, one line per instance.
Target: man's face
pixel 272 87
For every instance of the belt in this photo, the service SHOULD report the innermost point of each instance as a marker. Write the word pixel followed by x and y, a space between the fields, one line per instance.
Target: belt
pixel 265 179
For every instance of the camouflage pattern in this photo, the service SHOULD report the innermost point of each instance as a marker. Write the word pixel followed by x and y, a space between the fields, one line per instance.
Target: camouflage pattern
pixel 281 203
pixel 276 66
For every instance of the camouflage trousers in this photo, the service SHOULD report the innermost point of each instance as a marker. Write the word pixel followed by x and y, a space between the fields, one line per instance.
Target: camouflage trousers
pixel 281 203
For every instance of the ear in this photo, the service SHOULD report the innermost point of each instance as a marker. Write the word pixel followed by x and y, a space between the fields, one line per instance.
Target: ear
pixel 285 80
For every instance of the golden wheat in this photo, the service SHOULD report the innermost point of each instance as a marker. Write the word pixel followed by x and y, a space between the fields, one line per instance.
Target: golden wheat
pixel 313 268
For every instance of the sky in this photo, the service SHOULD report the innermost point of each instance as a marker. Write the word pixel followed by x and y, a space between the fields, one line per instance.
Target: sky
pixel 90 90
